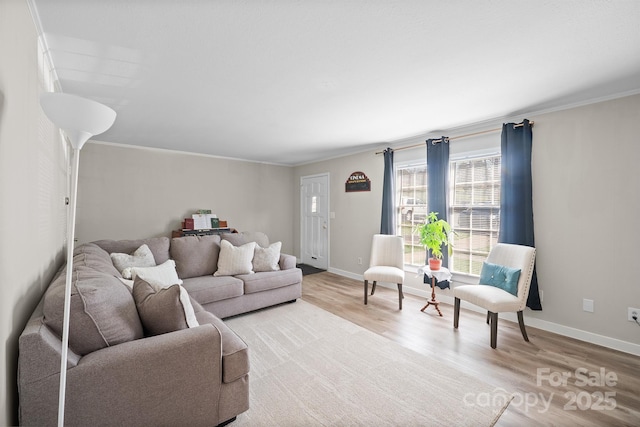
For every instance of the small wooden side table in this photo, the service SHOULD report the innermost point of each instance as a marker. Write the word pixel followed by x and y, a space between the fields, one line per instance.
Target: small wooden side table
pixel 442 274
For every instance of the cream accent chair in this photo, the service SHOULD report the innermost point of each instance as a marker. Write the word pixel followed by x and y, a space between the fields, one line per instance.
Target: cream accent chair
pixel 386 264
pixel 496 300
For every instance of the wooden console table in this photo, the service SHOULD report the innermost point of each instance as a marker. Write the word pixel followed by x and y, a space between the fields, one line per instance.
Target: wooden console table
pixel 203 232
pixel 442 274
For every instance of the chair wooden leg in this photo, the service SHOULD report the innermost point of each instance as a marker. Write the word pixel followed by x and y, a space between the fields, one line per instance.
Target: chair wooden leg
pixel 488 313
pixel 373 287
pixel 456 312
pixel 366 291
pixel 494 329
pixel 400 295
pixel 521 323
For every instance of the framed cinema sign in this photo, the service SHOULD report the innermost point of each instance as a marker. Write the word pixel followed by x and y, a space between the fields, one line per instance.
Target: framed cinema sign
pixel 357 181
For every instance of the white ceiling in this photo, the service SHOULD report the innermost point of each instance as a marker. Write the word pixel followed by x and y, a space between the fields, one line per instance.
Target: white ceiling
pixel 291 81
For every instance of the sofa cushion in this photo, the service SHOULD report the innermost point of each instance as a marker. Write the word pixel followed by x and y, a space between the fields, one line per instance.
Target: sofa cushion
pixel 159 246
pixel 267 259
pixel 235 259
pixel 103 312
pixel 239 239
pixel 195 255
pixel 141 257
pixel 235 354
pixel 208 289
pixel 163 309
pixel 270 280
pixel 94 256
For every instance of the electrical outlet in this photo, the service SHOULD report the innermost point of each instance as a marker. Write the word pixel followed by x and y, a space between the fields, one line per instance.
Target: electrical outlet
pixel 359 260
pixel 587 305
pixel 633 312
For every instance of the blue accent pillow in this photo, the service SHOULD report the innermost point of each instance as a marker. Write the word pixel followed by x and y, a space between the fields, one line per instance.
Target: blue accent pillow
pixel 502 277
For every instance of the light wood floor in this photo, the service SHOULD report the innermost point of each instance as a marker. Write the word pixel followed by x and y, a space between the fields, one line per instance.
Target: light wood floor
pixel 513 366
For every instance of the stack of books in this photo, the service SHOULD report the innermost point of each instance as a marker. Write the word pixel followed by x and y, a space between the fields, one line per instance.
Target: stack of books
pixel 203 219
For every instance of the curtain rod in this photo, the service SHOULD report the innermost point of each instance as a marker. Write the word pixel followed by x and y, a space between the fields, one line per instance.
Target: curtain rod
pixel 517 125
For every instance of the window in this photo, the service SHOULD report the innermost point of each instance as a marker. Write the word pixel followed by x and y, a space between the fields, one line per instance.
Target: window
pixel 411 182
pixel 474 212
pixel 474 209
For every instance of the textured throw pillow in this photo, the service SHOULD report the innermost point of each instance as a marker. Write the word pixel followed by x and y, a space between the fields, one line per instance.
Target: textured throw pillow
pixel 235 259
pixel 502 277
pixel 163 309
pixel 267 259
pixel 162 275
pixel 142 257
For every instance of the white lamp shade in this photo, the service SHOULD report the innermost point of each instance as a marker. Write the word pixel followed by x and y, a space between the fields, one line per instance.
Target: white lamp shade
pixel 78 117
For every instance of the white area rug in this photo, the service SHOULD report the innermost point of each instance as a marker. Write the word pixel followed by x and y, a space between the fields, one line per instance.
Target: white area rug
pixel 312 368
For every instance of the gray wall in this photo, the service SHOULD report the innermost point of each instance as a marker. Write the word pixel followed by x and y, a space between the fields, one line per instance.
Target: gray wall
pixel 586 204
pixel 32 189
pixel 127 193
pixel 357 214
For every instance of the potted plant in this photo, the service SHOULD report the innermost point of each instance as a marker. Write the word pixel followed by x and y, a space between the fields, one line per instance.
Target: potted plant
pixel 435 233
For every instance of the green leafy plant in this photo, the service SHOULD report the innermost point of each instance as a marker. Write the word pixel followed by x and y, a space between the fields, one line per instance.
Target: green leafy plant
pixel 435 233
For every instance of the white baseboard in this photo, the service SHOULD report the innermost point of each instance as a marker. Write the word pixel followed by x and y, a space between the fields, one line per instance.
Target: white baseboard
pixel 590 337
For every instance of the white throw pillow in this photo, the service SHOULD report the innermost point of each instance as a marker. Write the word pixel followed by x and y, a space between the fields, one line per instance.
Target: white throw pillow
pixel 267 259
pixel 164 276
pixel 235 259
pixel 142 257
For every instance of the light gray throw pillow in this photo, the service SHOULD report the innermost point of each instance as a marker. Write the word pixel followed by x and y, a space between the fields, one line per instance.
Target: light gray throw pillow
pixel 267 259
pixel 142 257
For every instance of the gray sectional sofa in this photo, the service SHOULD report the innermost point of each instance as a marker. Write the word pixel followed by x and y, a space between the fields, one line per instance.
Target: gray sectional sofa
pixel 118 373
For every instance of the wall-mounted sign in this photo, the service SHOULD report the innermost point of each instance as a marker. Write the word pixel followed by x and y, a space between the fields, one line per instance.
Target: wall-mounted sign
pixel 357 181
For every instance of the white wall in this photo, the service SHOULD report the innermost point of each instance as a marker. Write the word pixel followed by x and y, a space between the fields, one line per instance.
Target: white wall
pixel 128 193
pixel 32 189
pixel 586 204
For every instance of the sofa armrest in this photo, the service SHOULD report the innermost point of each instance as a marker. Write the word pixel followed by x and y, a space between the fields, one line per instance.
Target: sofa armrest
pixel 167 379
pixel 287 262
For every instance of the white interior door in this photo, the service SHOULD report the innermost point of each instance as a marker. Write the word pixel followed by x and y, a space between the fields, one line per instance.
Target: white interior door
pixel 314 199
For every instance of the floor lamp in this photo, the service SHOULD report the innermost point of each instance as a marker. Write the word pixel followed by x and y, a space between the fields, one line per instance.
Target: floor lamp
pixel 80 119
